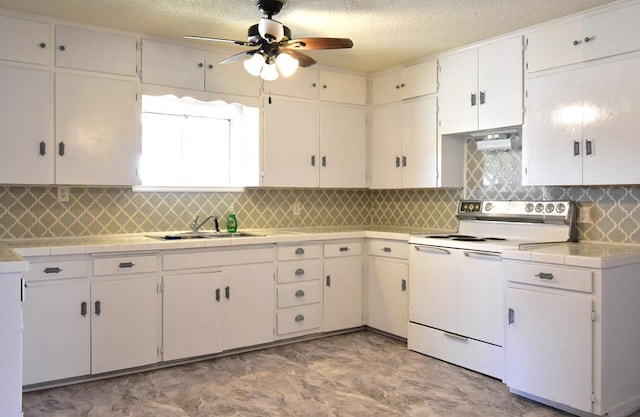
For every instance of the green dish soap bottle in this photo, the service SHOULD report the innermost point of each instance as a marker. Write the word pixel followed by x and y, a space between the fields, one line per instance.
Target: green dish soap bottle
pixel 232 221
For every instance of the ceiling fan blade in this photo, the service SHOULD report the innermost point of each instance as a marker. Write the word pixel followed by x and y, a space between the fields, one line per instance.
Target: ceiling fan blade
pixel 235 42
pixel 311 44
pixel 304 60
pixel 238 57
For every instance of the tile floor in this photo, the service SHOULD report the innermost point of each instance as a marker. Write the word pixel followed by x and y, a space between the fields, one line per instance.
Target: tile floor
pixel 357 374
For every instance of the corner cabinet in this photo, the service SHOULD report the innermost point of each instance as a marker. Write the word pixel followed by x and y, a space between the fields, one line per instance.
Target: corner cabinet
pixel 482 87
pixel 342 286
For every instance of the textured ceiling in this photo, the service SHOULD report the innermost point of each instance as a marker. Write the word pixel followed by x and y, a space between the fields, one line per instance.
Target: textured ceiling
pixel 384 32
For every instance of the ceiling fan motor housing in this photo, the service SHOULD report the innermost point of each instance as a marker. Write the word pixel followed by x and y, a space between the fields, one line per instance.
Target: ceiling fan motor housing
pixel 270 7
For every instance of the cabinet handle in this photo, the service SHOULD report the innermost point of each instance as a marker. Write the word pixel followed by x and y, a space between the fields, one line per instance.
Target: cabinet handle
pixel 52 270
pixel 299 272
pixel 589 147
pixel 545 275
pixel 432 249
pixel 299 293
pixel 512 316
pixel 300 251
pixel 324 161
pixel 83 309
pixel 218 294
pixel 61 149
pixel 455 336
pixel 404 161
pixel 328 281
pixel 576 42
pixel 402 85
pixel 397 86
pixel 588 39
pixel 61 47
pixel 576 148
pixel 324 86
pixel 200 65
pixel 403 285
pixel 227 293
pixel 313 85
pixel 474 254
pixel 397 162
pixel 98 307
pixel 123 265
pixel 386 249
pixel 482 97
pixel 43 45
pixel 42 148
pixel 299 318
pixel 473 99
pixel 313 160
pixel 344 249
pixel 210 66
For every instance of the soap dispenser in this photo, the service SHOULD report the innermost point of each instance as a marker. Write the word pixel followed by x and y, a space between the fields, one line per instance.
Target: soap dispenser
pixel 232 221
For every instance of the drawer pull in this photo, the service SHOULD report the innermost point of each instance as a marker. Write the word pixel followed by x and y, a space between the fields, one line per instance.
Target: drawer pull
pixel 299 293
pixel 126 265
pixel 456 336
pixel 386 249
pixel 98 308
pixel 83 309
pixel 300 251
pixel 545 275
pixel 344 249
pixel 299 318
pixel 52 270
pixel 299 271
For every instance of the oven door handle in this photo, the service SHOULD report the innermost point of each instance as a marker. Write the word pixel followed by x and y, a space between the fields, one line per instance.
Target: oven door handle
pixel 487 255
pixel 432 249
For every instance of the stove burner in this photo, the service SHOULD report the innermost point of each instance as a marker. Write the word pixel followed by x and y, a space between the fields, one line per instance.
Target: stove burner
pixel 466 238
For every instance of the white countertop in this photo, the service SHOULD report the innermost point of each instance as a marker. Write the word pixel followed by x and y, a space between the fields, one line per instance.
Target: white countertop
pixel 585 254
pixel 10 261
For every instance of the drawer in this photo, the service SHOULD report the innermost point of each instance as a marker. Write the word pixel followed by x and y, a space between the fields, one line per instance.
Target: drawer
pixel 289 253
pixel 299 271
pixel 123 265
pixel 298 320
pixel 298 294
pixel 550 276
pixel 56 270
pixel 388 248
pixel 336 250
pixel 216 258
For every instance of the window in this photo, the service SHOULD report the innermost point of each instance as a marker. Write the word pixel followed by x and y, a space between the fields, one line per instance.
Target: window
pixel 188 143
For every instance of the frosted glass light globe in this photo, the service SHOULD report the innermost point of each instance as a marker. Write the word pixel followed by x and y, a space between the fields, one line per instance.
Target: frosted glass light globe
pixel 286 64
pixel 269 72
pixel 254 64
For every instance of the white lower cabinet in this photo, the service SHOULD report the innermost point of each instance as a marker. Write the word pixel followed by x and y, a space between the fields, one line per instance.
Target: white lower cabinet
pixel 342 292
pixel 388 276
pixel 11 298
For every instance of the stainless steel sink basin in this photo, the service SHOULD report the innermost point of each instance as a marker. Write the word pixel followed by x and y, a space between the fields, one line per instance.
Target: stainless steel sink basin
pixel 200 235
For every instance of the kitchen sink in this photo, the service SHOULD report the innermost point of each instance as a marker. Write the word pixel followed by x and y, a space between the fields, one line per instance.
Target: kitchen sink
pixel 200 235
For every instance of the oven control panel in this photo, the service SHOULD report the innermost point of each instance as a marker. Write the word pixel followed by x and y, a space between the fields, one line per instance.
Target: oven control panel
pixel 556 211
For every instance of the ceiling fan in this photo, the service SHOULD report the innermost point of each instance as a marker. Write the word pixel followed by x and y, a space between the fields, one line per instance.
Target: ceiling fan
pixel 277 53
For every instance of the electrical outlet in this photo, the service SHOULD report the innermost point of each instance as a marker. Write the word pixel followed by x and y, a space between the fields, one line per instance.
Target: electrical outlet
pixel 584 214
pixel 63 194
pixel 297 208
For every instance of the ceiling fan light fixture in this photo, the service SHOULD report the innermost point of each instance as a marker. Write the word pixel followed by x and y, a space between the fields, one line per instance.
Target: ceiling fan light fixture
pixel 269 72
pixel 254 64
pixel 271 30
pixel 287 64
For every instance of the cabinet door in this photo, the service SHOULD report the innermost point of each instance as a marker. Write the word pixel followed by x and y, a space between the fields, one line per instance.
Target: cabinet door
pixel 611 123
pixel 500 85
pixel 229 78
pixel 458 96
pixel 343 138
pixel 385 88
pixel 302 84
pixel 24 40
pixel 248 306
pixel 172 65
pixel 192 315
pixel 96 51
pixel 554 46
pixel 96 125
pixel 124 327
pixel 11 334
pixel 386 147
pixel 612 32
pixel 419 143
pixel 344 88
pixel 419 79
pixel 57 332
pixel 290 143
pixel 552 131
pixel 388 301
pixel 550 346
pixel 25 116
pixel 342 293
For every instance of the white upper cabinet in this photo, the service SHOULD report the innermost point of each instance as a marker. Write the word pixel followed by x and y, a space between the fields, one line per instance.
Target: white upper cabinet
pixel 481 88
pixel 24 40
pixel 302 84
pixel 581 126
pixel 172 65
pixel 344 88
pixel 602 34
pixel 96 51
pixel 228 78
pixel 411 81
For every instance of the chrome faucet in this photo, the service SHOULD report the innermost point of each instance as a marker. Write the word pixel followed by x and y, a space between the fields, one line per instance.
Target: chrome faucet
pixel 195 227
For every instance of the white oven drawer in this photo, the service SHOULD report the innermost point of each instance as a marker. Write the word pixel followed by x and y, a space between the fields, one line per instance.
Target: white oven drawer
pixel 550 276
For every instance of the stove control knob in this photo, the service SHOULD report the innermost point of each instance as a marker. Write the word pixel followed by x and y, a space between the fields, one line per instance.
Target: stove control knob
pixel 528 208
pixel 549 208
pixel 488 206
pixel 560 208
pixel 539 207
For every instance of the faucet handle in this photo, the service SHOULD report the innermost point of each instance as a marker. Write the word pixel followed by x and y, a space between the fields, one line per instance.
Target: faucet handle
pixel 194 224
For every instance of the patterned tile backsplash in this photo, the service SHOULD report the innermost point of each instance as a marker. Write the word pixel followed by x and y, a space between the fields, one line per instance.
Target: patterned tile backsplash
pixel 34 211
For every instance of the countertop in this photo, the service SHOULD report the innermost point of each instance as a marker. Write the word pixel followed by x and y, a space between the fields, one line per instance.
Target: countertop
pixel 10 261
pixel 584 254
